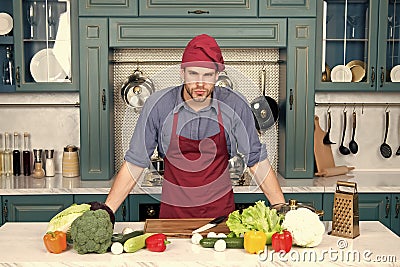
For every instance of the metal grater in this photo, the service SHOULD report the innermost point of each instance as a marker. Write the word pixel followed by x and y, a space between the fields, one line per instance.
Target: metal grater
pixel 345 211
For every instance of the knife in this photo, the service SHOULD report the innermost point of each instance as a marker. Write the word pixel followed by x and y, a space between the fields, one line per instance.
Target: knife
pixel 209 225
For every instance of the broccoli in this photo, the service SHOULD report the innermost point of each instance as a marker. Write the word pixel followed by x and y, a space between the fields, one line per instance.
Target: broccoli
pixel 92 232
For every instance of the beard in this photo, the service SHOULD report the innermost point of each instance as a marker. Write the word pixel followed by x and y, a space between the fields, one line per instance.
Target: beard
pixel 196 96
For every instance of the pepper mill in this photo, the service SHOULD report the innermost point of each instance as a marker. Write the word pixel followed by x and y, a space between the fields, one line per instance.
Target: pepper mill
pixel 50 168
pixel 38 172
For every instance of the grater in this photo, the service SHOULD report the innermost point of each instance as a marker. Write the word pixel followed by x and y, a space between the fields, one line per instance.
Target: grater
pixel 345 211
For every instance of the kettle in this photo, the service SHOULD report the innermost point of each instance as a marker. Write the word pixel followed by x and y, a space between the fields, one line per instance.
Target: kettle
pixel 70 161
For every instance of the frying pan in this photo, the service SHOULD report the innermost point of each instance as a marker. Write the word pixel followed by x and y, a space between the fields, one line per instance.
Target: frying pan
pixel 265 109
pixel 224 80
pixel 136 89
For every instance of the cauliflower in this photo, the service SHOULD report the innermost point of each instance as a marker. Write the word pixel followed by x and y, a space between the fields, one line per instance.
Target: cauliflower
pixel 92 232
pixel 304 225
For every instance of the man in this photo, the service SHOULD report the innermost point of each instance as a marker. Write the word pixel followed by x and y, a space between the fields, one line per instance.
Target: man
pixel 196 127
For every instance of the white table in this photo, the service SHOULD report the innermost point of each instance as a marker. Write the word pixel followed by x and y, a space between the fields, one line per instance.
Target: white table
pixel 21 245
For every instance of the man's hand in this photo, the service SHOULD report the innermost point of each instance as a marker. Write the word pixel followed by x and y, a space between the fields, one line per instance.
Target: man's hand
pixel 98 205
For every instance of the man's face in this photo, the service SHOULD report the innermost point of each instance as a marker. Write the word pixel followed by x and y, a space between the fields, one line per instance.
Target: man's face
pixel 199 83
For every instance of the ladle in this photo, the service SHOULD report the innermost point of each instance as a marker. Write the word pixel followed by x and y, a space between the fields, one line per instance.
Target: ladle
pixel 327 140
pixel 342 149
pixel 353 146
pixel 386 150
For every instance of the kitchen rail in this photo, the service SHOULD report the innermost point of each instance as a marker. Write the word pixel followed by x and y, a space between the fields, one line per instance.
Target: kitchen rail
pixel 6 105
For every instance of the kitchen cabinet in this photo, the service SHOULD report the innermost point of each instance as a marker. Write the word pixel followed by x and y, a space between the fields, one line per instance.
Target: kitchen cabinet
pixel 142 207
pixel 358 45
pixel 45 45
pixel 168 32
pixel 96 96
pixel 287 8
pixel 7 81
pixel 394 213
pixel 180 8
pixel 372 207
pixel 105 8
pixel 296 118
pixel 121 215
pixel 41 208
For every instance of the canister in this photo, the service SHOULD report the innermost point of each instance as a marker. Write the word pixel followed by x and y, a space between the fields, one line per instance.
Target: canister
pixel 70 162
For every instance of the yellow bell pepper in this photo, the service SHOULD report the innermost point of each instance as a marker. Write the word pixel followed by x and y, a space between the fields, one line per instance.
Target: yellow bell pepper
pixel 254 241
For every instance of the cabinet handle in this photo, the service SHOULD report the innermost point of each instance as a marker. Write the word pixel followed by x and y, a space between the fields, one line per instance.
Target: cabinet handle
pixel 382 76
pixel 5 211
pixel 18 77
pixel 124 212
pixel 291 99
pixel 372 76
pixel 397 207
pixel 387 207
pixel 103 99
pixel 151 211
pixel 198 12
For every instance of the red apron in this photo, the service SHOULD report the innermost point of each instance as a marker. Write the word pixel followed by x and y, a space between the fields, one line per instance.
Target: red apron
pixel 196 176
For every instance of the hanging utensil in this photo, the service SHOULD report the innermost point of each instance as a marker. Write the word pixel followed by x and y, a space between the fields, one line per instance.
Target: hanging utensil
pixel 386 150
pixel 327 140
pixel 224 80
pixel 342 149
pixel 136 89
pixel 353 146
pixel 265 109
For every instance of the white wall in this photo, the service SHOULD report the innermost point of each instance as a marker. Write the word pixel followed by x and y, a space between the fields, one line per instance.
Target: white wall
pixel 370 128
pixel 49 127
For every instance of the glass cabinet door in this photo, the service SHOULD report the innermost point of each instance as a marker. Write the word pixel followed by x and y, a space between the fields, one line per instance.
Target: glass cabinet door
pixel 347 61
pixel 44 61
pixel 389 45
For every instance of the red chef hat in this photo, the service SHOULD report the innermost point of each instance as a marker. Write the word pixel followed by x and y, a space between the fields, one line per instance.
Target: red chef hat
pixel 203 51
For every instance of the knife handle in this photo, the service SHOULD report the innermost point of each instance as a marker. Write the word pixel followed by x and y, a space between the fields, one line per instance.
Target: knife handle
pixel 218 219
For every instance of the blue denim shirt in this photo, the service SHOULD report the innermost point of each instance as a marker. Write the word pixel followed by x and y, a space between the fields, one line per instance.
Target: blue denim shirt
pixel 154 126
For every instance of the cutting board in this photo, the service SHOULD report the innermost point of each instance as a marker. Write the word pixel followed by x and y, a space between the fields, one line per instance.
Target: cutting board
pixel 323 153
pixel 181 228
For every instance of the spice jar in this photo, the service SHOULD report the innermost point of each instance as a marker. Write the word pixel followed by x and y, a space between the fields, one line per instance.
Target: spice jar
pixel 50 168
pixel 70 163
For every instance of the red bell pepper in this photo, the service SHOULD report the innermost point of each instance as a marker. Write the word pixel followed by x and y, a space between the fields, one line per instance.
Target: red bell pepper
pixel 157 242
pixel 282 241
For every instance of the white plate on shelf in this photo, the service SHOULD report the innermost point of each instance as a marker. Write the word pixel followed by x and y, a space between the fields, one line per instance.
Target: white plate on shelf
pixel 44 67
pixel 395 74
pixel 6 23
pixel 341 73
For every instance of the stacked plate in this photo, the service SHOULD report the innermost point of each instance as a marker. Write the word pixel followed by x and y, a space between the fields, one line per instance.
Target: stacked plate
pixel 354 71
pixel 395 74
pixel 6 23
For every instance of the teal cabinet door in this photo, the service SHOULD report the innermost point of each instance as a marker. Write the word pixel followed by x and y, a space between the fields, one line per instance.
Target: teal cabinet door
pixel 46 45
pixel 177 32
pixel 394 212
pixel 180 8
pixel 142 207
pixel 296 138
pixel 96 96
pixel 121 215
pixel 34 208
pixel 372 207
pixel 106 8
pixel 287 8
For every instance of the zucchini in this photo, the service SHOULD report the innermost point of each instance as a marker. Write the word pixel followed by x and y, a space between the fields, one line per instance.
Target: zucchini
pixel 231 242
pixel 122 238
pixel 136 243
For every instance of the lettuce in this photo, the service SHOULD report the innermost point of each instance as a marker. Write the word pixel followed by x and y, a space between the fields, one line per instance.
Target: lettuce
pixel 258 217
pixel 62 221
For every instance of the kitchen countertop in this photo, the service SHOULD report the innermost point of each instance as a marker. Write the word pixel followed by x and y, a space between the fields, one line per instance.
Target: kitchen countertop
pixel 367 182
pixel 21 245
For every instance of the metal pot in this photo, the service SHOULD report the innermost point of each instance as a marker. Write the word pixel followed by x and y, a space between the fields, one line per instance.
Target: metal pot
pixel 158 165
pixel 136 89
pixel 224 80
pixel 284 208
pixel 265 109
